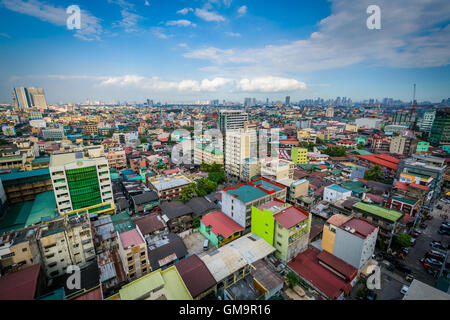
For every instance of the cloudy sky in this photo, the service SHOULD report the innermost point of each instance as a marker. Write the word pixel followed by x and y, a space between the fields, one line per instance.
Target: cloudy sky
pixel 181 51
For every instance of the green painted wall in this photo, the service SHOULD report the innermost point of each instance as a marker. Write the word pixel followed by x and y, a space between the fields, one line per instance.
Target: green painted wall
pixel 209 235
pixel 263 224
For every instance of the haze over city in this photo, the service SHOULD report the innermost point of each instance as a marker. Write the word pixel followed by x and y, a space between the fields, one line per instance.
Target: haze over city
pixel 183 51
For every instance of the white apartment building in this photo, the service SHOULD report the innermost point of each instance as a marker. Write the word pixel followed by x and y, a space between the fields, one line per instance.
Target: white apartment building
pixel 231 120
pixel 66 241
pixel 238 145
pixel 81 179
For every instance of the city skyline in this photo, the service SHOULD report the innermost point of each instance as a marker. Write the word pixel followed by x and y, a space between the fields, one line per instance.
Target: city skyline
pixel 185 51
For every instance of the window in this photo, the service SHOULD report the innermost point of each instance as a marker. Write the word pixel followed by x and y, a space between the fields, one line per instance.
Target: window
pixel 24 249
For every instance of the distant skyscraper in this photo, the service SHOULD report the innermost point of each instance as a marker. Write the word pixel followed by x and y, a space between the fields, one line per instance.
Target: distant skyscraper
pixel 231 120
pixel 37 97
pixel 21 99
pixel 288 100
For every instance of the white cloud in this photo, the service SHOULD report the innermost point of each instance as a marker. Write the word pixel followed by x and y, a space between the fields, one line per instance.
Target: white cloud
pixel 208 15
pixel 185 11
pixel 5 35
pixel 159 33
pixel 271 84
pixel 263 84
pixel 130 19
pixel 91 28
pixel 414 34
pixel 232 34
pixel 156 84
pixel 180 23
pixel 242 10
pixel 183 45
pixel 146 3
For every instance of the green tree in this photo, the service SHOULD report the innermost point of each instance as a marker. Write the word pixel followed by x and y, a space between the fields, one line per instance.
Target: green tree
pixel 217 177
pixel 335 151
pixel 196 223
pixel 292 279
pixel 143 139
pixel 375 173
pixel 404 240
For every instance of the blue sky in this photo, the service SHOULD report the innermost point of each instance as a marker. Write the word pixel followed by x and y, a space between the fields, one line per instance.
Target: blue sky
pixel 182 51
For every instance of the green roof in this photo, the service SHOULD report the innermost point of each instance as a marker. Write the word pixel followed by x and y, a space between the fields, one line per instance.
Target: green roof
pixel 404 200
pixel 362 152
pixel 248 193
pixel 355 186
pixel 16 217
pixel 122 222
pixel 16 175
pixel 58 294
pixel 43 207
pixel 389 214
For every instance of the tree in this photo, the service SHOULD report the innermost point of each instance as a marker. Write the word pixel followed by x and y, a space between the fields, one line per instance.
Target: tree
pixel 217 177
pixel 404 240
pixel 375 173
pixel 292 279
pixel 143 139
pixel 196 222
pixel 335 151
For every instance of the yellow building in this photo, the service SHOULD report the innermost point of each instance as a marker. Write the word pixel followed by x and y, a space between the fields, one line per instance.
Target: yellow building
pixel 159 285
pixel 299 155
pixel 329 231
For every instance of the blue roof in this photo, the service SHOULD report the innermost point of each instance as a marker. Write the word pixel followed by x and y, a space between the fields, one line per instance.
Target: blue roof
pixel 25 174
pixel 337 188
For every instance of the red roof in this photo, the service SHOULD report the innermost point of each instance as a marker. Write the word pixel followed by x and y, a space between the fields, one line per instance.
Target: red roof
pixel 337 264
pixel 172 171
pixel 382 160
pixel 401 185
pixel 20 285
pixel 195 275
pixel 307 265
pixel 362 227
pixel 221 224
pixel 131 238
pixel 291 216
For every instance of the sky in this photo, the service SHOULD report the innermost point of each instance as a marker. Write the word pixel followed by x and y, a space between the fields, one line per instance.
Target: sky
pixel 182 51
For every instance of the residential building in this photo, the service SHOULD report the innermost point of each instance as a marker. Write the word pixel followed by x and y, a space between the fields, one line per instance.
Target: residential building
pixel 90 128
pixel 204 153
pixel 351 239
pixel 440 130
pixel 389 221
pixel 54 134
pixel 237 201
pixel 117 158
pixel 126 138
pixel 21 99
pixel 251 169
pixel 427 121
pixel 81 180
pixel 330 112
pixel 231 120
pixel 220 229
pixel 277 169
pixel 133 253
pixel 283 226
pixel 299 155
pixel 66 241
pixel 403 145
pixel 169 187
pixel 18 250
pixel 238 145
pixel 335 192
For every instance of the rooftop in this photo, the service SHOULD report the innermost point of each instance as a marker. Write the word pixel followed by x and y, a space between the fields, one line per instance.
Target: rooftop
pixel 195 275
pixel 131 238
pixel 253 190
pixel 221 224
pixel 391 215
pixel 362 227
pixel 337 188
pixel 20 285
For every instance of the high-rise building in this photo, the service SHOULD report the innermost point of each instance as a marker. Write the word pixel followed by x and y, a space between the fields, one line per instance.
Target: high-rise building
pixel 404 117
pixel 288 100
pixel 231 120
pixel 37 97
pixel 21 99
pixel 81 180
pixel 440 130
pixel 237 148
pixel 427 121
